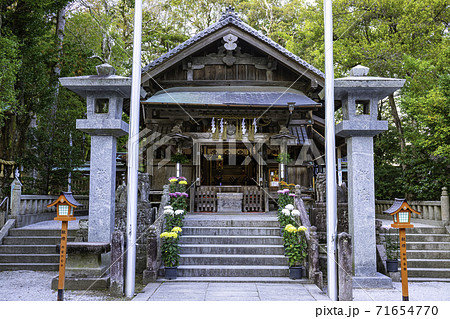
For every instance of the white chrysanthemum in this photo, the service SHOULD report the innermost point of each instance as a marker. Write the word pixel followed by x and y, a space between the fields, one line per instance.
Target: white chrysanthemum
pixel 295 213
pixel 289 206
pixel 168 212
pixel 286 212
pixel 179 212
pixel 168 207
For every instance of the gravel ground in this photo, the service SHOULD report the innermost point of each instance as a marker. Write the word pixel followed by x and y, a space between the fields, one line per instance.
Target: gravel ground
pixel 26 285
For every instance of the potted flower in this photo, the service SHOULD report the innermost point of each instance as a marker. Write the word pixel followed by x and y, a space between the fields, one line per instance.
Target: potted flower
pixel 296 249
pixel 174 218
pixel 170 252
pixel 392 249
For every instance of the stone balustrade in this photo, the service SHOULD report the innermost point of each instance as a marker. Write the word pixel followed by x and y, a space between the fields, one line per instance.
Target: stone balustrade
pixel 434 211
pixel 32 209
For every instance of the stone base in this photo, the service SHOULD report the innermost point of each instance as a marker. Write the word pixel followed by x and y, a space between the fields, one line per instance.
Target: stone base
pixel 149 276
pixel 378 281
pixel 395 276
pixel 91 283
pixel 229 202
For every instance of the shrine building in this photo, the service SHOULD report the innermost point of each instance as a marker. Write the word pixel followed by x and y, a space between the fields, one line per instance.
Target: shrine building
pixel 238 111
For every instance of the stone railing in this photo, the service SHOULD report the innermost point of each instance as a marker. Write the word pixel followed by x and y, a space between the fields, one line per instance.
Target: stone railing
pixel 431 211
pixel 30 209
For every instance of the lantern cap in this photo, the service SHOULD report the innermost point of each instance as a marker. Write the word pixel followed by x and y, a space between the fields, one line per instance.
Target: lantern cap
pixel 398 205
pixel 66 197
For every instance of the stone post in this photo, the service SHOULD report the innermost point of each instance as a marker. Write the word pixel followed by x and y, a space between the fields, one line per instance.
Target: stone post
pixel 315 275
pixel 117 263
pixel 151 272
pixel 359 95
pixel 344 249
pixel 445 206
pixel 16 193
pixel 104 95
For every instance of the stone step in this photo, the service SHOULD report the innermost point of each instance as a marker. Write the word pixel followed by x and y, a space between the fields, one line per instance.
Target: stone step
pixel 428 238
pixel 27 249
pixel 427 279
pixel 272 280
pixel 197 222
pixel 427 245
pixel 231 249
pixel 231 240
pixel 232 231
pixel 428 263
pixel 428 254
pixel 29 266
pixel 35 240
pixel 208 259
pixel 26 232
pixel 29 258
pixel 232 271
pixel 429 272
pixel 426 230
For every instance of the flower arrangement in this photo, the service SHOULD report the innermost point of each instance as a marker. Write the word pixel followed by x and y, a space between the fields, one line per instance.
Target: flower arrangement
pixel 170 247
pixel 176 211
pixel 296 247
pixel 174 218
pixel 285 207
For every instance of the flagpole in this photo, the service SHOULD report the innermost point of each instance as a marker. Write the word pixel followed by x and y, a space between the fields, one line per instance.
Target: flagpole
pixel 133 153
pixel 330 156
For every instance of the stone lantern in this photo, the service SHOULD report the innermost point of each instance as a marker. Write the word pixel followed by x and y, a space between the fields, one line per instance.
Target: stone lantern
pixel 104 95
pixel 360 95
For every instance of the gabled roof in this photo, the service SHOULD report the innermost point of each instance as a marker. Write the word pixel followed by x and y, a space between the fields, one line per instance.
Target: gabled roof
pixel 229 18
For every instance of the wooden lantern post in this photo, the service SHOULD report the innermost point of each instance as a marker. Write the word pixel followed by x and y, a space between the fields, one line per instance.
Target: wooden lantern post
pixel 401 214
pixel 65 205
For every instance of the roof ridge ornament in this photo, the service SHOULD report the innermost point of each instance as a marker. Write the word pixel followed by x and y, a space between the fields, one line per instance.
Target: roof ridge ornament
pixel 229 11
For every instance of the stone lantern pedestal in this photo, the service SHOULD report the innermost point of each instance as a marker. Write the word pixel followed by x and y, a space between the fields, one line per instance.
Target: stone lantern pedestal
pixel 360 95
pixel 104 95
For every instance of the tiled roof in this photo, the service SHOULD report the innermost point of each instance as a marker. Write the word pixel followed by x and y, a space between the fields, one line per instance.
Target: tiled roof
pixel 227 19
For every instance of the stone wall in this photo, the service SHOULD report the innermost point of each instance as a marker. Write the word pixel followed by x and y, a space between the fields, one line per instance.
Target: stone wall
pixel 318 217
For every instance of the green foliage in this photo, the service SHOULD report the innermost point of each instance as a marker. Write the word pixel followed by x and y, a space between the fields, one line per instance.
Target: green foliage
pixel 179 158
pixel 9 68
pixel 283 158
pixel 391 244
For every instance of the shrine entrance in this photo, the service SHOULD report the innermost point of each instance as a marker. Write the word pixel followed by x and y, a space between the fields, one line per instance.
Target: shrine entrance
pixel 228 164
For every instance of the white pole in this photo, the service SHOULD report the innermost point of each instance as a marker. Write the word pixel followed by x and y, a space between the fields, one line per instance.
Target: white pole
pixel 330 156
pixel 133 153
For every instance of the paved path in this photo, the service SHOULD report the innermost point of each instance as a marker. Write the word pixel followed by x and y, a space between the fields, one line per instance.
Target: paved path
pixel 220 291
pixel 217 291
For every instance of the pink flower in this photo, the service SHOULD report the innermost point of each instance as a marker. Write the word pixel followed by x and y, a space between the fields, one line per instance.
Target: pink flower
pixel 292 195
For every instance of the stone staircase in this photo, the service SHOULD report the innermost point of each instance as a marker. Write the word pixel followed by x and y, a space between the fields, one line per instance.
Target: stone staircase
pixel 428 253
pixel 232 246
pixel 31 249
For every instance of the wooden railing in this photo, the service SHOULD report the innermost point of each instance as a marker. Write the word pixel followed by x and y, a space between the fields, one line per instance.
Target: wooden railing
pixel 254 198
